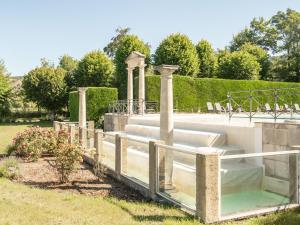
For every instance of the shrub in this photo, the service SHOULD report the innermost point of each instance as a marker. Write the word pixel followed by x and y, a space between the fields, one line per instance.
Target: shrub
pixel 5 91
pixel 97 102
pixel 239 65
pixel 191 94
pixel 33 142
pixel 67 156
pixel 9 168
pixel 128 44
pixel 94 70
pixel 177 49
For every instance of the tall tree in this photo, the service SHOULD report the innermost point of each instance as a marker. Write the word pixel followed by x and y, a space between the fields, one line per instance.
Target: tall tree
pixel 207 59
pixel 69 64
pixel 288 27
pixel 260 33
pixel 5 90
pixel 111 48
pixel 128 44
pixel 178 49
pixel 95 69
pixel 262 58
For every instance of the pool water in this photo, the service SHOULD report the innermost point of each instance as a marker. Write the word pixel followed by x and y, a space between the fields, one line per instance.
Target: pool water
pixel 251 200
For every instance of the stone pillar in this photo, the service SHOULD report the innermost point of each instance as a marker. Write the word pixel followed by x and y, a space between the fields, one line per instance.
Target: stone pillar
pixel 293 178
pixel 208 187
pixel 83 137
pixel 121 155
pixel 166 124
pixel 130 90
pixel 82 106
pixel 153 165
pixel 98 143
pixel 142 88
pixel 56 126
pixel 71 130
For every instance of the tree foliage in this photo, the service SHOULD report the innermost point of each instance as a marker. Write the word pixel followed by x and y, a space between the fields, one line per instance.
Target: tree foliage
pixel 239 65
pixel 69 64
pixel 5 90
pixel 128 44
pixel 177 49
pixel 95 69
pixel 46 86
pixel 207 59
pixel 111 48
pixel 262 58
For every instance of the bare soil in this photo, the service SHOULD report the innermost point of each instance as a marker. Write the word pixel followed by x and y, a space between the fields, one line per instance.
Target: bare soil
pixel 42 174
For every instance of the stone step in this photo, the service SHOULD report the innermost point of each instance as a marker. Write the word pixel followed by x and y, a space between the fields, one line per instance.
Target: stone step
pixel 181 136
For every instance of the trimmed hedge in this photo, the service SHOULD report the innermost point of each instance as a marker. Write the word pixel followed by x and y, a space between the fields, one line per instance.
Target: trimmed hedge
pixel 191 94
pixel 97 101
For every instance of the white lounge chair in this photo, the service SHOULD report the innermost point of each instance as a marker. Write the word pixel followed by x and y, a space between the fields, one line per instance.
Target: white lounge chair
pixel 297 108
pixel 210 106
pixel 268 108
pixel 229 107
pixel 287 108
pixel 277 107
pixel 219 108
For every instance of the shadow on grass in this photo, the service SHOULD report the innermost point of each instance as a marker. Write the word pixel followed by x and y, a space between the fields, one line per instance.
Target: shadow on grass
pixel 150 216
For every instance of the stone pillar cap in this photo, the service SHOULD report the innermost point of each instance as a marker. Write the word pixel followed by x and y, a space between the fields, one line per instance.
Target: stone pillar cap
pixel 82 88
pixel 166 69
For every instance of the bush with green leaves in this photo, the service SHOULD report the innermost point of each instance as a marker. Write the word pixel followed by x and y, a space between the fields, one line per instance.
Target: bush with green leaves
pixel 97 102
pixel 239 65
pixel 126 45
pixel 177 49
pixel 9 168
pixel 46 87
pixel 67 156
pixel 94 69
pixel 33 142
pixel 208 60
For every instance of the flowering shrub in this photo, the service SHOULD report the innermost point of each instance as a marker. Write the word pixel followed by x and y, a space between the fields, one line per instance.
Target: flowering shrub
pixel 68 156
pixel 33 142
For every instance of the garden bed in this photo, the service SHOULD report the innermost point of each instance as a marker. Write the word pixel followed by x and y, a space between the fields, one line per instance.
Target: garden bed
pixel 42 174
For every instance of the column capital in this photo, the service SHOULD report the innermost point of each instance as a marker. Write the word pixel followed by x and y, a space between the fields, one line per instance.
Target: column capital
pixel 130 68
pixel 82 89
pixel 142 65
pixel 166 70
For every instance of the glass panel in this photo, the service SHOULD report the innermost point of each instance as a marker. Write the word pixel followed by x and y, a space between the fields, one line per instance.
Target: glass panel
pixel 260 182
pixel 108 151
pixel 137 158
pixel 177 176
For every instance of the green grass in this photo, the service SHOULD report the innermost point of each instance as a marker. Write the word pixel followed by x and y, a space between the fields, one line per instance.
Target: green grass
pixel 9 130
pixel 24 205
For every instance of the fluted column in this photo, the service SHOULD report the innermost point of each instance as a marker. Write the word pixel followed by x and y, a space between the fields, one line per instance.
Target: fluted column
pixel 142 88
pixel 130 90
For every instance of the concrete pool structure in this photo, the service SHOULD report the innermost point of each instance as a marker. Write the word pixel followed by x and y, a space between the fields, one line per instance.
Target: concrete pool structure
pixel 213 168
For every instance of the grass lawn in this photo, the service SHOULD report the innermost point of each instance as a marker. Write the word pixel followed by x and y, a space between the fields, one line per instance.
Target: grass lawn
pixel 9 130
pixel 24 205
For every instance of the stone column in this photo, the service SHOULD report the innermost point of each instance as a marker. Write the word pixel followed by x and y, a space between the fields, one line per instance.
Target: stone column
pixel 142 87
pixel 208 187
pixel 82 106
pixel 71 133
pixel 130 90
pixel 166 124
pixel 121 155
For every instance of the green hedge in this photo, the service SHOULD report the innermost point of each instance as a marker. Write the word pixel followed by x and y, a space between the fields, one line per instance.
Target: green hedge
pixel 191 94
pixel 97 101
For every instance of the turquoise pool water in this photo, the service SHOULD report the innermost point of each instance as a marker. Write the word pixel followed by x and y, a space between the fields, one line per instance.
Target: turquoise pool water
pixel 251 200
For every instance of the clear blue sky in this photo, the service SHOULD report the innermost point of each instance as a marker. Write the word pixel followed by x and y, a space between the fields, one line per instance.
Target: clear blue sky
pixel 31 30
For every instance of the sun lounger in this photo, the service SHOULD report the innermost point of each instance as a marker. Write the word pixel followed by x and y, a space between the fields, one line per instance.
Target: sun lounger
pixel 210 106
pixel 268 108
pixel 219 108
pixel 297 108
